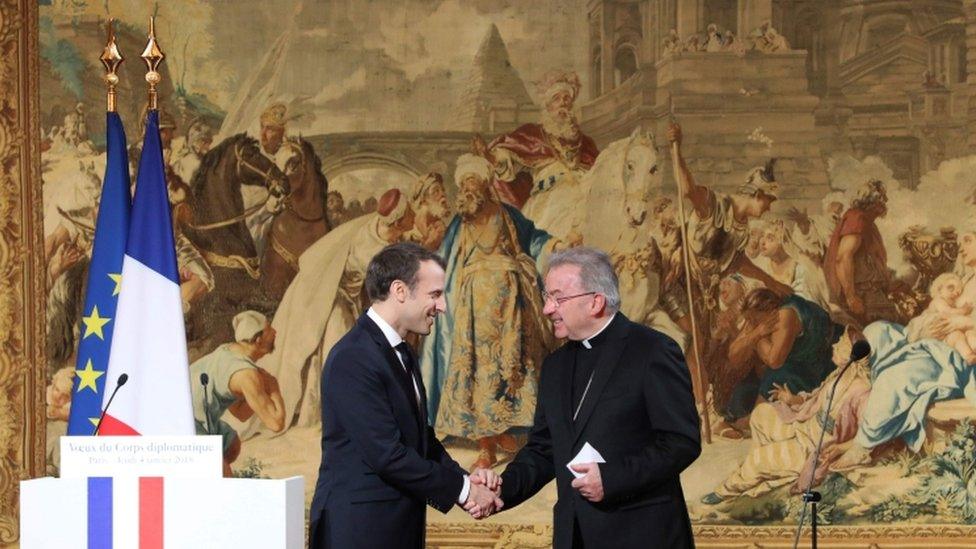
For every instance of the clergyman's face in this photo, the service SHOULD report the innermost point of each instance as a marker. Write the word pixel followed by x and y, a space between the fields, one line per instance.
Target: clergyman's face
pixel 572 318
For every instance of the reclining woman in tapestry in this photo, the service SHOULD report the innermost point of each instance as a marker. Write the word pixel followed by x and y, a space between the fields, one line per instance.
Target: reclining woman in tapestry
pixel 785 432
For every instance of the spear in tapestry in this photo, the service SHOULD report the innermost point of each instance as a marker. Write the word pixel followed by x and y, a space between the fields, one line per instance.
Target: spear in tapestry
pixel 699 383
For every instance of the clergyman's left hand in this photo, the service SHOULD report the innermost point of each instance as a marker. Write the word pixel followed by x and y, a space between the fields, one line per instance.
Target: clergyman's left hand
pixel 590 485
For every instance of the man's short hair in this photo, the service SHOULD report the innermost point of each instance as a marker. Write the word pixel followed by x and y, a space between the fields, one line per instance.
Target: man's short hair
pixel 596 272
pixel 396 262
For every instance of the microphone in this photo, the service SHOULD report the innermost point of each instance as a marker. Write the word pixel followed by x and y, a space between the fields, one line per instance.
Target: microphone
pixel 118 385
pixel 204 380
pixel 859 350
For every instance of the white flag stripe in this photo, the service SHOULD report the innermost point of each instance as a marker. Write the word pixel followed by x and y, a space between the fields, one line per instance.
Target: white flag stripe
pixel 125 511
pixel 149 345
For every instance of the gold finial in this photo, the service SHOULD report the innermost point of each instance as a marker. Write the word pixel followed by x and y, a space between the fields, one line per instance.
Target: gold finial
pixel 153 56
pixel 111 59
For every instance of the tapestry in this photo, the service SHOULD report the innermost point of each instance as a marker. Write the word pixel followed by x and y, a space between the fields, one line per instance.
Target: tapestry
pixel 825 153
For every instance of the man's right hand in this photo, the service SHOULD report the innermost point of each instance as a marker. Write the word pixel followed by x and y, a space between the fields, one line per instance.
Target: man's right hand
pixel 487 478
pixel 482 502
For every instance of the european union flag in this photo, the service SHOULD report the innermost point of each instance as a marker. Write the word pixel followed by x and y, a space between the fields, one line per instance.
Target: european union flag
pixel 104 282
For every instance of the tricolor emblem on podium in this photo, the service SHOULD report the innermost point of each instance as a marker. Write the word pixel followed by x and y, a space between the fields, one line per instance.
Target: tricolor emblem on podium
pixel 146 529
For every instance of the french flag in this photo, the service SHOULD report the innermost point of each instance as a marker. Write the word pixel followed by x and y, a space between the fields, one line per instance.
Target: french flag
pixel 149 341
pixel 111 524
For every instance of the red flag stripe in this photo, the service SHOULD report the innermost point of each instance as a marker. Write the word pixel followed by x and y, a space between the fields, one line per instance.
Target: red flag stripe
pixel 151 513
pixel 113 427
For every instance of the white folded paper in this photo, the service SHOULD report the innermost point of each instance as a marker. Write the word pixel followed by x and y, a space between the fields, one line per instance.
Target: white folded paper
pixel 587 454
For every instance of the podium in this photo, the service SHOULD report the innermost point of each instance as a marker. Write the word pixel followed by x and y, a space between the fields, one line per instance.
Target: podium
pixel 159 492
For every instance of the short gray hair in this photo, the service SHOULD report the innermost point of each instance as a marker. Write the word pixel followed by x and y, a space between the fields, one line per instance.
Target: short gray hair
pixel 596 272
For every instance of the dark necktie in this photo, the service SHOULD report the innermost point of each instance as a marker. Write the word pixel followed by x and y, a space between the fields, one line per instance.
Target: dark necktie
pixel 411 369
pixel 404 349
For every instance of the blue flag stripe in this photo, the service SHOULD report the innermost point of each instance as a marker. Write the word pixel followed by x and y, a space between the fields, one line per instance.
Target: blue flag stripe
pixel 99 512
pixel 108 249
pixel 151 236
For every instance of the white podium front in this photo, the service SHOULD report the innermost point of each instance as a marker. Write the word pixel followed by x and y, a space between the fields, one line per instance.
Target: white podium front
pixel 139 507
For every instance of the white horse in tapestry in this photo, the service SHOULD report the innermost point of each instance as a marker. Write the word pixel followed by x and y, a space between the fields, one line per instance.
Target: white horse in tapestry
pixel 607 206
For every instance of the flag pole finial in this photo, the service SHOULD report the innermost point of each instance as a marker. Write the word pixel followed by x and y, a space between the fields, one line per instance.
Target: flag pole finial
pixel 153 56
pixel 111 58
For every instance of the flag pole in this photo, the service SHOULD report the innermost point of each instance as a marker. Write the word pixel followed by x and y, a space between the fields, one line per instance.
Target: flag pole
pixel 698 378
pixel 111 59
pixel 153 56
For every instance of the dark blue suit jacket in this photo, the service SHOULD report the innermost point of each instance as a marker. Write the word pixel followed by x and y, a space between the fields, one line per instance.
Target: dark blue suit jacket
pixel 381 463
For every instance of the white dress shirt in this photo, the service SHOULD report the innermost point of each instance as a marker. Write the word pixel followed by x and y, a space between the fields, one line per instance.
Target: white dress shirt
pixel 394 339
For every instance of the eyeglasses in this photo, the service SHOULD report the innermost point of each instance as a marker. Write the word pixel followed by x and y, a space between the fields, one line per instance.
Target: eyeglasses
pixel 546 296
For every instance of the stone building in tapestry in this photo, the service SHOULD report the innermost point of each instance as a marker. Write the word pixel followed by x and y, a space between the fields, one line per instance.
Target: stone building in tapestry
pixel 891 78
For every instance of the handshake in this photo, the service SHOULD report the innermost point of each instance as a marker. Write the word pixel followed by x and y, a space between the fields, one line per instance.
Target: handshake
pixel 483 497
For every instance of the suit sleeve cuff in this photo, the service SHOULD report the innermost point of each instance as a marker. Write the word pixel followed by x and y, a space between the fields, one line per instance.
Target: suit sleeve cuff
pixel 614 482
pixel 463 497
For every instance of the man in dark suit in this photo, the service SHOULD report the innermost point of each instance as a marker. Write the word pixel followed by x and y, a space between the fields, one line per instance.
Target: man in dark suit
pixel 381 462
pixel 624 389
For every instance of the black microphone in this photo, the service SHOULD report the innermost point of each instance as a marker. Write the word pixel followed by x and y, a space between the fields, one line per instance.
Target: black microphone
pixel 859 350
pixel 118 384
pixel 204 380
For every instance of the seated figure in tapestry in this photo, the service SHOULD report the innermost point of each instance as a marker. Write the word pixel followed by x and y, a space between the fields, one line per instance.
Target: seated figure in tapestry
pixel 236 384
pixel 536 162
pixel 910 372
pixel 945 291
pixel 785 431
pixel 783 345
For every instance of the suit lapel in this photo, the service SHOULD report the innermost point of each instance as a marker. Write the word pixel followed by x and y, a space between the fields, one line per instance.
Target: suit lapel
pixel 391 359
pixel 610 354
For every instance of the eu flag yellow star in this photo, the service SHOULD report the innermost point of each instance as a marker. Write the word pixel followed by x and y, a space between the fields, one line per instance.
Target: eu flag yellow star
pixel 87 377
pixel 117 278
pixel 94 323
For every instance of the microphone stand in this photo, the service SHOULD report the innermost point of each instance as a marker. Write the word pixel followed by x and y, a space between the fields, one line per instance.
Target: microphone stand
pixel 118 385
pixel 810 495
pixel 205 380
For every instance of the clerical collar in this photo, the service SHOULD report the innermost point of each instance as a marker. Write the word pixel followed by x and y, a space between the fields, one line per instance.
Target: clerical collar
pixel 595 339
pixel 391 335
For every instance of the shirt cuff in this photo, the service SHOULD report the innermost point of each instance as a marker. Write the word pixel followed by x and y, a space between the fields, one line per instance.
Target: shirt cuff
pixel 463 498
